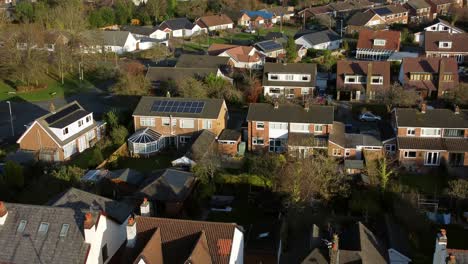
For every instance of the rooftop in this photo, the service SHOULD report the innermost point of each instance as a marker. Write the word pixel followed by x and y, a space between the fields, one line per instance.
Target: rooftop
pixel 214 20
pixel 176 23
pixel 292 68
pixel 418 4
pixel 429 65
pixel 201 61
pixel 437 118
pixel 317 114
pixel 367 37
pixel 458 41
pixel 319 37
pixel 168 185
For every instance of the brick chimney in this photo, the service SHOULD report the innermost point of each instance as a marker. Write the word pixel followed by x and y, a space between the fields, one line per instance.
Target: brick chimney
pixel 440 252
pixel 131 232
pixel 334 250
pixel 441 77
pixel 456 109
pixel 88 225
pixel 3 213
pixel 145 208
pixel 276 104
pixel 423 108
pixel 451 259
pixel 368 81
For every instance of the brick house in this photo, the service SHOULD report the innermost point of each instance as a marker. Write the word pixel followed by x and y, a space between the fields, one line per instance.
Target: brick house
pixel 419 11
pixel 440 7
pixel 288 127
pixel 215 22
pixel 163 121
pixel 361 80
pixel 377 18
pixel 291 80
pixel 430 77
pixel 377 45
pixel 439 26
pixel 446 45
pixel 431 137
pixel 59 135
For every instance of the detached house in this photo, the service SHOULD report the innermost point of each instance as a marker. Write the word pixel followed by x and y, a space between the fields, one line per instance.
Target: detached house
pixel 300 130
pixel 180 28
pixel 439 26
pixel 360 80
pixel 255 18
pixel 377 18
pixel 446 45
pixel 239 56
pixel 271 49
pixel 320 40
pixel 377 45
pixel 59 135
pixel 111 41
pixel 163 121
pixel 441 7
pixel 281 12
pixel 215 22
pixel 419 11
pixel 430 77
pixel 293 80
pixel 148 35
pixel 430 137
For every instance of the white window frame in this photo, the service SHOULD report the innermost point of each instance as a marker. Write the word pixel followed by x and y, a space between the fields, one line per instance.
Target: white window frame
pixel 406 154
pixel 207 124
pixel 318 131
pixel 336 152
pixel 437 131
pixel 378 78
pixel 187 123
pixel 305 90
pixel 443 43
pixel 147 121
pixel 411 129
pixel 80 123
pixel 278 125
pixel 388 148
pixel 380 42
pixel 88 119
pixel 65 131
pixel 273 77
pixel 256 139
pixel 165 121
pixel 299 127
pixel 347 152
pixel 262 125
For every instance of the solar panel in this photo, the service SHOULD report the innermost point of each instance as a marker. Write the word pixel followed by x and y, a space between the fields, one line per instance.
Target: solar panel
pixel 193 107
pixel 382 11
pixel 62 113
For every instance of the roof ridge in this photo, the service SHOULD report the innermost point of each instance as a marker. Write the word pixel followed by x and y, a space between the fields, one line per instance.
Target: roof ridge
pixel 188 220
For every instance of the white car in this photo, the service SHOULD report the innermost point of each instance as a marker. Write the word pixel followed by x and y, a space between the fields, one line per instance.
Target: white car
pixel 369 117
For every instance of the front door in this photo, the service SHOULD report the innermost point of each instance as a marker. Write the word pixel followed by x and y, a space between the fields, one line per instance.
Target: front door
pixel 82 143
pixel 432 158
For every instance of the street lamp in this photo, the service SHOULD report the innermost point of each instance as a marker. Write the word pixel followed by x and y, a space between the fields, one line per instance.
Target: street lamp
pixel 11 119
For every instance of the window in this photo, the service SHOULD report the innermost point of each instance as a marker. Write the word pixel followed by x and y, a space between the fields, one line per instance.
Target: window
pixel 147 121
pixel 187 123
pixel 420 76
pixel 273 77
pixel 90 135
pixel 88 118
pixel 336 152
pixel 454 132
pixel 390 147
pixel 80 123
pixel 184 139
pixel 276 145
pixel 305 78
pixel 410 154
pixel 304 90
pixel 379 42
pixel 260 125
pixel 410 131
pixel 207 124
pixel 65 131
pixel 289 77
pixel 299 127
pixel 347 152
pixel 445 44
pixel 174 122
pixel 283 126
pixel 258 141
pixel 377 79
pixel 318 129
pixel 70 149
pixel 448 77
pixel 430 132
pixel 64 230
pixel 275 90
pixel 105 254
pixel 21 226
pixel 43 227
pixel 166 121
pixel 355 79
pixel 433 28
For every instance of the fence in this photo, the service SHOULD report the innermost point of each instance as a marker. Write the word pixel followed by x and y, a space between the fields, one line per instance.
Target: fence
pixel 121 151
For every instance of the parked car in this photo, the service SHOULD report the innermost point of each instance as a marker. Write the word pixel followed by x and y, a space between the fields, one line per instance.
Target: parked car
pixel 248 30
pixel 370 117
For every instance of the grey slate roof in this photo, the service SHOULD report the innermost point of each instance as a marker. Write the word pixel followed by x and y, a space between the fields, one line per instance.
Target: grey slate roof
pixel 127 175
pixel 418 4
pixel 321 37
pixel 30 246
pixel 360 18
pixel 211 109
pixel 438 118
pixel 201 146
pixel 317 114
pixel 176 23
pixel 278 36
pixel 354 164
pixel 354 140
pixel 112 37
pixel 81 202
pixel 358 243
pixel 201 61
pixel 268 45
pixel 140 30
pixel 294 68
pixel 168 185
pixel 449 144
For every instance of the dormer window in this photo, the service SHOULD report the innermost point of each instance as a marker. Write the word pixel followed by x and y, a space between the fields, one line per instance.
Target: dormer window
pixel 448 77
pixel 65 131
pixel 88 118
pixel 379 42
pixel 417 76
pixel 80 123
pixel 445 44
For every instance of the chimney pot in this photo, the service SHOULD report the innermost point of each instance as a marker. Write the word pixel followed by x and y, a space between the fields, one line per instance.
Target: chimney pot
pixel 3 210
pixel 131 232
pixel 88 223
pixel 145 208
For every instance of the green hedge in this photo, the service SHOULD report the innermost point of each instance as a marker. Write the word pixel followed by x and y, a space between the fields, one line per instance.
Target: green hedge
pixel 244 178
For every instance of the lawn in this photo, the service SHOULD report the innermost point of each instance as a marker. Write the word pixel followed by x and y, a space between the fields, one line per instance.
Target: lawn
pixel 159 161
pixel 54 90
pixel 428 183
pixel 84 158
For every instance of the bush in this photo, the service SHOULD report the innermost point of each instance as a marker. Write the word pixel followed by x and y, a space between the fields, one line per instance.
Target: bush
pixel 96 158
pixel 69 175
pixel 13 175
pixel 119 135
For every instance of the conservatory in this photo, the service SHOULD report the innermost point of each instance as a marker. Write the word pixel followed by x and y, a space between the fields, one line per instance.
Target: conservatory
pixel 145 142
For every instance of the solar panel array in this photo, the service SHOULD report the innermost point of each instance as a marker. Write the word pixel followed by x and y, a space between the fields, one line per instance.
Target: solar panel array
pixel 383 11
pixel 270 45
pixel 168 106
pixel 62 113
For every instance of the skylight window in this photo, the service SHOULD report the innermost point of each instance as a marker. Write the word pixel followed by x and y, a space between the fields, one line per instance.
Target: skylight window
pixel 379 42
pixel 43 227
pixel 21 226
pixel 64 230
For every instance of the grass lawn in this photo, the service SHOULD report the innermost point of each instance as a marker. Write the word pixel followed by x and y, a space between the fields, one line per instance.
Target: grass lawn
pixel 428 183
pixel 54 90
pixel 83 159
pixel 159 161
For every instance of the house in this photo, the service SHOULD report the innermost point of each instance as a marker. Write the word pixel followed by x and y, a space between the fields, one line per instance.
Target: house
pixel 215 22
pixel 291 80
pixel 439 26
pixel 270 49
pixel 148 34
pixel 202 61
pixel 431 137
pixel 289 127
pixel 377 45
pixel 243 57
pixel 165 240
pixel 78 227
pixel 362 20
pixel 443 254
pixel 430 77
pixel 343 9
pixel 392 14
pixel 441 7
pixel 255 18
pixel 284 13
pixel 163 121
pixel 320 40
pixel 278 37
pixel 314 12
pixel 361 80
pixel 419 11
pixel 202 148
pixel 58 135
pixel 180 28
pixel 110 41
pixel 229 142
pixel 166 192
pixel 446 45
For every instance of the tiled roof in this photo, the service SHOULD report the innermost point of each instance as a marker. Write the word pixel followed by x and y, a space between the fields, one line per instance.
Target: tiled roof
pixel 229 134
pixel 168 185
pixel 320 37
pixel 109 37
pixel 201 61
pixel 241 54
pixel 429 65
pixel 292 68
pixel 152 252
pixel 349 67
pixel 361 18
pixel 176 23
pixel 317 114
pixel 216 48
pixel 201 145
pixel 432 40
pixel 140 30
pixel 437 118
pixel 418 4
pixel 424 143
pixel 214 20
pixel 367 37
pixel 181 239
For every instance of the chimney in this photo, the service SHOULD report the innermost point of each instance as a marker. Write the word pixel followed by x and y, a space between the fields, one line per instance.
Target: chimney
pixel 52 108
pixel 441 77
pixel 451 259
pixel 3 213
pixel 89 231
pixel 145 208
pixel 440 252
pixel 131 232
pixel 423 108
pixel 276 105
pixel 369 81
pixel 306 106
pixel 334 250
pixel 457 109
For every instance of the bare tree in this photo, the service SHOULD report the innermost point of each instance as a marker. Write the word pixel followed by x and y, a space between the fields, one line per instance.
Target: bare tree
pixel 396 95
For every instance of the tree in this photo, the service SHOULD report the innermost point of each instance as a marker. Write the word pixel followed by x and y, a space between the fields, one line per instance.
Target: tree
pixel 291 52
pixel 131 84
pixel 156 9
pixel 396 95
pixel 192 9
pixel 119 135
pixel 191 88
pixel 69 16
pixel 69 175
pixel 112 119
pixel 459 96
pixel 217 87
pixel 96 158
pixel 156 53
pixel 123 12
pixel 265 166
pixel 13 174
pixel 385 172
pixel 25 12
pixel 207 168
pixel 458 189
pixel 254 90
pixel 365 202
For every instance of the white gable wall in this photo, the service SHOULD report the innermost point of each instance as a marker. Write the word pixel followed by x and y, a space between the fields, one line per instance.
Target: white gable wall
pixel 237 249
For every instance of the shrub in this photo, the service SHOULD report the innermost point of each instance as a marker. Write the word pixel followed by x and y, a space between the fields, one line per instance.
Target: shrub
pixel 13 175
pixel 119 134
pixel 96 158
